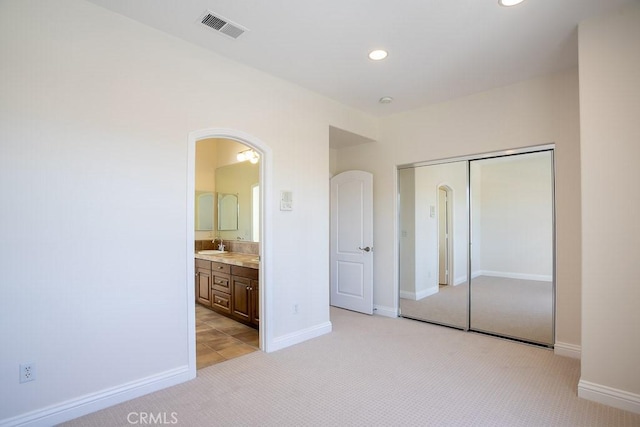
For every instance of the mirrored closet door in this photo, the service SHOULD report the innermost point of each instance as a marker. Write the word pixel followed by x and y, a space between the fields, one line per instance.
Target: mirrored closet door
pixel 434 228
pixel 512 246
pixel 476 244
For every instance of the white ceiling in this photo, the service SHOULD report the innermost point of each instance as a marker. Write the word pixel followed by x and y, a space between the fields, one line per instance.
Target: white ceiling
pixel 438 49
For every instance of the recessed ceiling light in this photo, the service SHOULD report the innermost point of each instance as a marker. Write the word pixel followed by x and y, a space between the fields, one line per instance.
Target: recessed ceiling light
pixel 508 3
pixel 385 100
pixel 378 54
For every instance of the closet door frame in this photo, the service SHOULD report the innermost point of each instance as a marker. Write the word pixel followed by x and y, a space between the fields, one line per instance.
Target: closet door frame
pixel 479 156
pixel 507 153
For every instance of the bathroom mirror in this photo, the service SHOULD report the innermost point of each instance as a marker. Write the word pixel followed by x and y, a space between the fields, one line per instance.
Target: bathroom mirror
pixel 204 211
pixel 239 179
pixel 227 212
pixel 218 171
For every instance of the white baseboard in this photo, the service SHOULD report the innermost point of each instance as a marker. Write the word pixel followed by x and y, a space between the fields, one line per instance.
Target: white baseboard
pixel 416 296
pixel 426 293
pixel 460 280
pixel 609 396
pixel 567 350
pixel 93 402
pixel 299 336
pixel 380 310
pixel 408 295
pixel 511 275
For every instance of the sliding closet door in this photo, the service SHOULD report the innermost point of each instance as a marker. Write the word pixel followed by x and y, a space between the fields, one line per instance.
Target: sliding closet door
pixel 512 248
pixel 434 223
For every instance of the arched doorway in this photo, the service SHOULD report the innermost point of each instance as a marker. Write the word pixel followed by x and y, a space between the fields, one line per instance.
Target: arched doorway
pixel 265 231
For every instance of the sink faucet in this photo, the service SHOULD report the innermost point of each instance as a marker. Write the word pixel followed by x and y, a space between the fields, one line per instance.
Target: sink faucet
pixel 218 242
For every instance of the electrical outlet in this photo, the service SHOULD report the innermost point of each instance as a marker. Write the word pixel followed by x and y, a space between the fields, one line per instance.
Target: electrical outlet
pixel 27 372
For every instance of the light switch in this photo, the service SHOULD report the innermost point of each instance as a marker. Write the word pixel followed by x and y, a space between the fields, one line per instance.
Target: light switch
pixel 286 201
pixel 432 211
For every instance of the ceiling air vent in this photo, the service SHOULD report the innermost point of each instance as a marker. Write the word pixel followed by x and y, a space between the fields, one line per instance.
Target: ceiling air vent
pixel 222 25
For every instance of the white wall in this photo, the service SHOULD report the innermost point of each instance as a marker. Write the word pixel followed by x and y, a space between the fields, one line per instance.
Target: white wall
pixel 530 113
pixel 95 115
pixel 610 133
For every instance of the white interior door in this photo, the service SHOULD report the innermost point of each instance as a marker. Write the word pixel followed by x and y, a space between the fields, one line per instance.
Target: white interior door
pixel 352 241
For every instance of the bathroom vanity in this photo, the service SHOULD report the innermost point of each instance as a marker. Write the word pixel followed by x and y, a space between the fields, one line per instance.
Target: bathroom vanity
pixel 228 284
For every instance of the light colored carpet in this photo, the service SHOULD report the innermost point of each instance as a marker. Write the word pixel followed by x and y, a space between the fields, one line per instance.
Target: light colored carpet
pixel 447 307
pixel 376 371
pixel 515 308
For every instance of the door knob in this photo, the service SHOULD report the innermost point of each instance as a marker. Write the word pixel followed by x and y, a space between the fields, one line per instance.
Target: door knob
pixel 366 248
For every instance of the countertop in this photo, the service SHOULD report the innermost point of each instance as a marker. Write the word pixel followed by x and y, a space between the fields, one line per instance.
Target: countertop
pixel 234 258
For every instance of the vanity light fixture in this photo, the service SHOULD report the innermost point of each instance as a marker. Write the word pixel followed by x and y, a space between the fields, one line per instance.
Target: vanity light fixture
pixel 378 54
pixel 507 3
pixel 249 155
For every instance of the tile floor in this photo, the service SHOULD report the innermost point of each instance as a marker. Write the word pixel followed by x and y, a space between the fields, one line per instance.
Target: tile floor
pixel 219 338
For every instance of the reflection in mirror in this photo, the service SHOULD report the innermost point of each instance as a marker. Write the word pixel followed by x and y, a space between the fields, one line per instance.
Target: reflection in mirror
pixel 433 243
pixel 512 235
pixel 509 201
pixel 240 179
pixel 204 211
pixel 255 212
pixel 227 212
pixel 219 169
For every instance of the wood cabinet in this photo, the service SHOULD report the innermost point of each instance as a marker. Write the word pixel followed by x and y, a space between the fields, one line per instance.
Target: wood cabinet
pixel 229 289
pixel 245 289
pixel 221 302
pixel 255 302
pixel 203 282
pixel 241 289
pixel 220 287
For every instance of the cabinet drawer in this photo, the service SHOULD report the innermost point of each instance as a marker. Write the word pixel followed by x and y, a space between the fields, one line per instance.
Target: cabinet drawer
pixel 221 301
pixel 220 267
pixel 203 263
pixel 249 273
pixel 220 282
